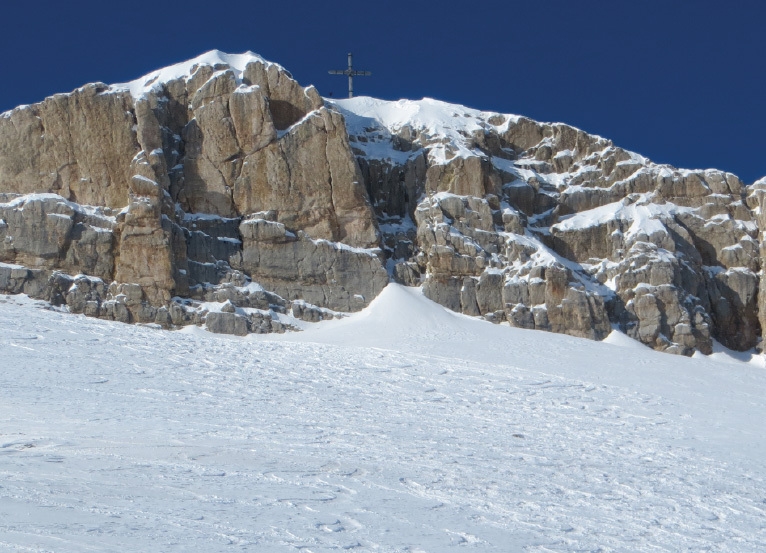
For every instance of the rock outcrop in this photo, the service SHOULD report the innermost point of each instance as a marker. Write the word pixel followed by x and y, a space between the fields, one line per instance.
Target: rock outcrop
pixel 45 231
pixel 547 227
pixel 221 192
pixel 155 188
pixel 78 145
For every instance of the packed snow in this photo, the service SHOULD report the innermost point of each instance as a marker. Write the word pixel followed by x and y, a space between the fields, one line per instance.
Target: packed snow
pixel 405 427
pixel 441 118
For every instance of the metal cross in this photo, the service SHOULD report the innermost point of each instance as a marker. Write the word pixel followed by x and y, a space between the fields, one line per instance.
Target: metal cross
pixel 351 74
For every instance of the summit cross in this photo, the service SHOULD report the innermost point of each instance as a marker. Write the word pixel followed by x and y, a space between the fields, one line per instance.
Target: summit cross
pixel 351 72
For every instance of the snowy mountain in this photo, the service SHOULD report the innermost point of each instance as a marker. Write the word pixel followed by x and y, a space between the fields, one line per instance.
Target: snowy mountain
pixel 221 192
pixel 220 196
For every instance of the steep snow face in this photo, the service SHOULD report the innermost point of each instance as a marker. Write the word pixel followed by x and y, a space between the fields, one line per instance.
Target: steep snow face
pixel 154 80
pixel 403 428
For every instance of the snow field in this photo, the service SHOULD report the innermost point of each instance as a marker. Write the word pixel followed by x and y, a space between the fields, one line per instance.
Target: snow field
pixel 403 428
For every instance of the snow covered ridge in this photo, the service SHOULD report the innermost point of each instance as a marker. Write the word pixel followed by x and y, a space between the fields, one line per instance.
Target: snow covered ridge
pixel 445 128
pixel 444 125
pixel 153 81
pixel 224 172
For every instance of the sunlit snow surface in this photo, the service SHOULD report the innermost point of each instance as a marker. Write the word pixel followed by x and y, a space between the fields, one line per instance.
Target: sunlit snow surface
pixel 403 428
pixel 441 125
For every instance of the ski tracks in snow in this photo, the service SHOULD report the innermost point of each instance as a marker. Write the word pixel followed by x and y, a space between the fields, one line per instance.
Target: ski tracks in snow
pixel 122 437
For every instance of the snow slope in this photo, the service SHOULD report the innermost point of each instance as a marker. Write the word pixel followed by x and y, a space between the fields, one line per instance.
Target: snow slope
pixel 402 428
pixel 443 124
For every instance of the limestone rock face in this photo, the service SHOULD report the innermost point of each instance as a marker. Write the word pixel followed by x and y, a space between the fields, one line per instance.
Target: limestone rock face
pixel 224 181
pixel 145 187
pixel 78 145
pixel 226 323
pixel 145 256
pixel 255 140
pixel 547 227
pixel 45 231
pixel 338 277
pixel 756 200
pixel 465 260
pixel 310 179
pixel 464 176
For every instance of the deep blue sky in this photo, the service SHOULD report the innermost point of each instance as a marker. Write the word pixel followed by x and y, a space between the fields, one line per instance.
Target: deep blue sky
pixel 681 82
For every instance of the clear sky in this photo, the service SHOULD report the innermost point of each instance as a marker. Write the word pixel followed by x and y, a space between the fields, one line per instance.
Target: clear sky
pixel 681 82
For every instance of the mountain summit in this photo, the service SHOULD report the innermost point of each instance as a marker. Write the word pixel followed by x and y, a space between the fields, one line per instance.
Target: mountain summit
pixel 219 191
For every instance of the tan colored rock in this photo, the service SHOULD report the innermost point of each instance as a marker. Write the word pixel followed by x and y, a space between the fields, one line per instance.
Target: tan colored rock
pixel 145 255
pixel 288 101
pixel 661 319
pixel 489 292
pixel 469 176
pixel 597 241
pixel 323 273
pixel 251 116
pixel 524 133
pixel 269 157
pixel 444 290
pixel 79 145
pixel 310 179
pixel 723 241
pixel 579 314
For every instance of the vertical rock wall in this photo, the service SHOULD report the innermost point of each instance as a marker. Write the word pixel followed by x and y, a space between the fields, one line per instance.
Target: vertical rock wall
pixel 213 143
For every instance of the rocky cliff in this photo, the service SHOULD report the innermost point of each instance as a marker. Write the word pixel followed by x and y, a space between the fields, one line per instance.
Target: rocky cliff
pixel 548 227
pixel 180 188
pixel 220 191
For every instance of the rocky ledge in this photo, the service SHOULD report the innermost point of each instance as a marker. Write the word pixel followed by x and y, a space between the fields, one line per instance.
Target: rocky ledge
pixel 221 192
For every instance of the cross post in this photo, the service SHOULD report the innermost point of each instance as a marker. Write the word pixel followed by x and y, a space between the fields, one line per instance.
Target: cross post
pixel 351 73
